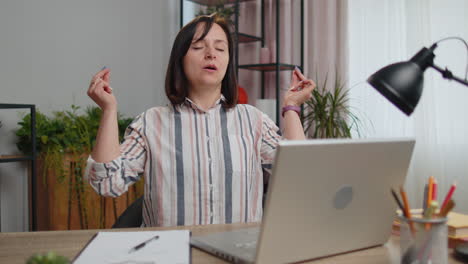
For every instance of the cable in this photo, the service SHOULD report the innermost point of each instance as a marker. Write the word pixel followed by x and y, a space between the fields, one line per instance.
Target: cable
pixel 466 45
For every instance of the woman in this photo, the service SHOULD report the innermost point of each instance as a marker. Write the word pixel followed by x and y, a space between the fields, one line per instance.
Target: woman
pixel 201 156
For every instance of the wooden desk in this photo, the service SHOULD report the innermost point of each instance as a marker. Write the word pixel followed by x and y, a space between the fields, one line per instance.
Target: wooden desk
pixel 17 247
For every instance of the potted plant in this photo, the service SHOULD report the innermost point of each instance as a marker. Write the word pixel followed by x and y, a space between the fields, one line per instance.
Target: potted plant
pixel 64 142
pixel 328 113
pixel 47 258
pixel 221 9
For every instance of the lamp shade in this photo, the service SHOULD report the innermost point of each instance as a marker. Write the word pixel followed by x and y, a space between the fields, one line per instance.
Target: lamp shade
pixel 401 83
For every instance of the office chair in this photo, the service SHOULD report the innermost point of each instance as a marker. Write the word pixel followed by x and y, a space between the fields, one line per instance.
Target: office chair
pixel 132 216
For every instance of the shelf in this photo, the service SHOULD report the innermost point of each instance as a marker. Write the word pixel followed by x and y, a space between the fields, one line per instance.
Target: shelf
pixel 7 106
pixel 268 67
pixel 31 158
pixel 242 38
pixel 246 38
pixel 216 2
pixel 13 158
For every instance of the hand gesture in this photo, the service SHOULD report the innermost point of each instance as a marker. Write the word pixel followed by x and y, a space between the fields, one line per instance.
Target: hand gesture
pixel 300 89
pixel 100 91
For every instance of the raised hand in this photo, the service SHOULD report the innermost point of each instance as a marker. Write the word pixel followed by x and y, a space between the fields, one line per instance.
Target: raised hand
pixel 100 91
pixel 300 89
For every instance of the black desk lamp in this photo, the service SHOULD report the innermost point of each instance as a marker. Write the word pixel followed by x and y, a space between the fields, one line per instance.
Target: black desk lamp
pixel 402 84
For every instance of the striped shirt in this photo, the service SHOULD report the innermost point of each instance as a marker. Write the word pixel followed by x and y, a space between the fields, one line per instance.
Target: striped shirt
pixel 200 167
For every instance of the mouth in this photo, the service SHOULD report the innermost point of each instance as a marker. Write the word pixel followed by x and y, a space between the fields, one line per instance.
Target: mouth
pixel 210 67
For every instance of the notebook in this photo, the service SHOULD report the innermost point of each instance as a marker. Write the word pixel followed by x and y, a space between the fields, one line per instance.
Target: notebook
pixel 326 197
pixel 161 247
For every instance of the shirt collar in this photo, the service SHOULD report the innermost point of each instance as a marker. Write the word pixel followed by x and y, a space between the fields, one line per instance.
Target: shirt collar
pixel 196 107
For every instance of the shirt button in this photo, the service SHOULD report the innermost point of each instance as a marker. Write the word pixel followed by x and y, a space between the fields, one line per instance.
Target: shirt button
pixel 211 214
pixel 211 186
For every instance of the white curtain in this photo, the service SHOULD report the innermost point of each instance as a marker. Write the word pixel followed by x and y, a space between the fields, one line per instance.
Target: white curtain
pixel 326 39
pixel 387 31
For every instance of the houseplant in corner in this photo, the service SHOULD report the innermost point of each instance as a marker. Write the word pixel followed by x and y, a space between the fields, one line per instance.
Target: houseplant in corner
pixel 328 113
pixel 64 142
pixel 221 9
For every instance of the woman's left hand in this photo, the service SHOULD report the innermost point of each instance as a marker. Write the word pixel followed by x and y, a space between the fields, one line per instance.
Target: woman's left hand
pixel 300 89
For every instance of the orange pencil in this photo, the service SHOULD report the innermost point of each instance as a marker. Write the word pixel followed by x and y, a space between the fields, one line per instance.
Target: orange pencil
pixel 429 192
pixel 407 208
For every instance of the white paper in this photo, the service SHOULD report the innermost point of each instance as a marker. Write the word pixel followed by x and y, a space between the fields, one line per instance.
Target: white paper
pixel 172 247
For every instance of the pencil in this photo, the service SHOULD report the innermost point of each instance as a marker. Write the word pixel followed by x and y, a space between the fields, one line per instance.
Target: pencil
pixel 448 197
pixel 426 187
pixel 434 191
pixel 407 208
pixel 429 192
pixel 449 206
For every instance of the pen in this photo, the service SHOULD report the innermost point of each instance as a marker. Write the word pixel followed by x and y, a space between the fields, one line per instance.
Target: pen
pixel 398 201
pixel 142 244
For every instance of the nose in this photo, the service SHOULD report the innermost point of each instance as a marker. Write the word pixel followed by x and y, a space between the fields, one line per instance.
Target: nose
pixel 210 54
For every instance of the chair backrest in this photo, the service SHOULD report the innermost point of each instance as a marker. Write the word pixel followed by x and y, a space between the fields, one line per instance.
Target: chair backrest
pixel 132 216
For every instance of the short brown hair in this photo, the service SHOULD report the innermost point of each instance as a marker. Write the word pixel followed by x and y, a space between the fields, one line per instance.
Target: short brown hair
pixel 176 81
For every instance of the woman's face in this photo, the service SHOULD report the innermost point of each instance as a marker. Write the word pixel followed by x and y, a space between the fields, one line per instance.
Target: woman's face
pixel 206 61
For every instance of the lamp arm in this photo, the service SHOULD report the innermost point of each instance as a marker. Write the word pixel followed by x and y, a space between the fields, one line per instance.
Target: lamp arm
pixel 447 74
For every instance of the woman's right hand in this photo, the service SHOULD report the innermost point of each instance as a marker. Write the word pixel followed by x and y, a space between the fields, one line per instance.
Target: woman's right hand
pixel 100 91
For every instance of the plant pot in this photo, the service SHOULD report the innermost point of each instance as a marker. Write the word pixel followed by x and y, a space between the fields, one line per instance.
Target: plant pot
pixel 68 202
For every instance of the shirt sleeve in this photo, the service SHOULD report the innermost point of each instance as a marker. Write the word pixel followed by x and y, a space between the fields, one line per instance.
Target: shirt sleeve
pixel 114 177
pixel 270 140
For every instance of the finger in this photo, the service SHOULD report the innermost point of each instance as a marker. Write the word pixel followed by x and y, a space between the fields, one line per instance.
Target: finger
pixel 301 85
pixel 299 74
pixel 108 89
pixel 309 86
pixel 312 84
pixel 297 87
pixel 93 86
pixel 106 76
pixel 93 83
pixel 101 84
pixel 99 87
pixel 101 73
pixel 294 77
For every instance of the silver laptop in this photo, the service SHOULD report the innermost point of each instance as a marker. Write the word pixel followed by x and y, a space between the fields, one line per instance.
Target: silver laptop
pixel 325 197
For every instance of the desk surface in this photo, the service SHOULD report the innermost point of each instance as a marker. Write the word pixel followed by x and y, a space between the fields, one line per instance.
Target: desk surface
pixel 17 247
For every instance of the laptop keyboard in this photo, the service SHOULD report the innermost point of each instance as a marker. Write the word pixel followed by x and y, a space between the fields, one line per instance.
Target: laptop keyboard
pixel 250 244
pixel 252 235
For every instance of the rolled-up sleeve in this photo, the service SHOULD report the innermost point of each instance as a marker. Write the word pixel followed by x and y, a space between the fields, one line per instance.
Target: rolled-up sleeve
pixel 270 140
pixel 113 178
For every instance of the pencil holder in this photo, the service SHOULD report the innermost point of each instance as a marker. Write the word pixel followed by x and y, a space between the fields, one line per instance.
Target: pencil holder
pixel 423 240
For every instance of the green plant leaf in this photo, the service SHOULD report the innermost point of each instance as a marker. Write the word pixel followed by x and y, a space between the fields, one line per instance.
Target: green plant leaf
pixel 328 113
pixel 44 139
